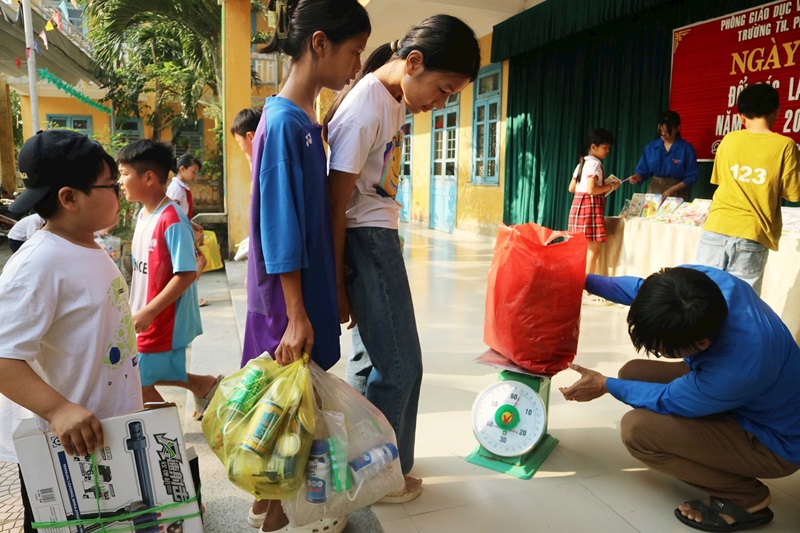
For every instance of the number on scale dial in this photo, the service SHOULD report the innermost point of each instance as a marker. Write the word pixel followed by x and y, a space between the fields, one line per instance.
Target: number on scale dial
pixel 508 418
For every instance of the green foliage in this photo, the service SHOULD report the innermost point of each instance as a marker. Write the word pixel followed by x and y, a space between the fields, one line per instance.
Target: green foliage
pixel 16 120
pixel 213 163
pixel 261 37
pixel 170 50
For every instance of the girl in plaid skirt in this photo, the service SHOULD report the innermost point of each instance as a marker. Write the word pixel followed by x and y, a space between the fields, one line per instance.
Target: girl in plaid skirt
pixel 590 189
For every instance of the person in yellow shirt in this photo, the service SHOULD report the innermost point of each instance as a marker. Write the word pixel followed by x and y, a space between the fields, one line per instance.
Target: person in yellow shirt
pixel 754 168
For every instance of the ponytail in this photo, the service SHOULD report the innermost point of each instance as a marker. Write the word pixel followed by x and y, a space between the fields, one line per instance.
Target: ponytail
pixel 446 43
pixel 597 136
pixel 297 20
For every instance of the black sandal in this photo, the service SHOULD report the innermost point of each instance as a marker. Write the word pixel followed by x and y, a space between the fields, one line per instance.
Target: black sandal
pixel 712 521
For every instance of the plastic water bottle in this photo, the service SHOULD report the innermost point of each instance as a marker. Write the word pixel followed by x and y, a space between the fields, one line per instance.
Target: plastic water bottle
pixel 318 472
pixel 372 462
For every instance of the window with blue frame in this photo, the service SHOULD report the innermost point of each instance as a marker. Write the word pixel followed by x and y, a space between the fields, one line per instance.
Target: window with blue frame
pixel 79 123
pixel 130 129
pixel 408 134
pixel 486 127
pixel 189 138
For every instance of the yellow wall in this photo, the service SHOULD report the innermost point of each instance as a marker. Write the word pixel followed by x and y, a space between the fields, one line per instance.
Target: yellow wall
pixel 101 124
pixel 208 194
pixel 479 208
pixel 421 169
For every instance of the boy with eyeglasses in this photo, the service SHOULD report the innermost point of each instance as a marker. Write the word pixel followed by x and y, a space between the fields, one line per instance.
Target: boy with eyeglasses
pixel 69 348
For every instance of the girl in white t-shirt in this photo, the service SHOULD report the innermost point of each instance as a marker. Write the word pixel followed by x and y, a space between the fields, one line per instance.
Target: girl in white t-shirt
pixel 438 57
pixel 590 188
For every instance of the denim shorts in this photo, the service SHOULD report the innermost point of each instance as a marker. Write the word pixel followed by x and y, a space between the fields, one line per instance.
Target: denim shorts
pixel 743 258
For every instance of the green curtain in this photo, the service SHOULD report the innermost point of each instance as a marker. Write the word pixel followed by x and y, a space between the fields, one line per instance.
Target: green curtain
pixel 546 23
pixel 614 77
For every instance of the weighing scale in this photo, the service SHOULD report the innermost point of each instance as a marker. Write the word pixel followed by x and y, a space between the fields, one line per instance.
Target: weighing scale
pixel 509 419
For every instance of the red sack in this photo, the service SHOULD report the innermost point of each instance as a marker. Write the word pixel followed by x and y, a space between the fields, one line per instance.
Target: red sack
pixel 533 299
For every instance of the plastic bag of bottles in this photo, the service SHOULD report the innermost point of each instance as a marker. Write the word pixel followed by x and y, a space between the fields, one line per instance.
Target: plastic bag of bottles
pixel 353 460
pixel 261 424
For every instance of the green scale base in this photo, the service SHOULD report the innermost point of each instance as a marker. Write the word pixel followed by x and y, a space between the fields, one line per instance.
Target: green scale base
pixel 523 466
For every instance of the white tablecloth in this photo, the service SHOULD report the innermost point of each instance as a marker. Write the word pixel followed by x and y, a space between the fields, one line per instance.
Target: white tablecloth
pixel 639 247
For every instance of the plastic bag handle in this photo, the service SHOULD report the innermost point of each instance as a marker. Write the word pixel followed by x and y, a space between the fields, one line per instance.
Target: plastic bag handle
pixel 557 235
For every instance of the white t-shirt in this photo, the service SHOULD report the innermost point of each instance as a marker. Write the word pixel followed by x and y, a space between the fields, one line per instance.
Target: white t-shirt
pixel 366 138
pixel 177 193
pixel 64 310
pixel 591 167
pixel 26 227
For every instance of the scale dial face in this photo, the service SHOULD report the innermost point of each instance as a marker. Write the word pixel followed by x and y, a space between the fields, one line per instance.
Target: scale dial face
pixel 508 418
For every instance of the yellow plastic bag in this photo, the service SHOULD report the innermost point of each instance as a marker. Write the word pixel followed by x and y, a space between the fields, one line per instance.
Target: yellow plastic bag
pixel 210 250
pixel 260 424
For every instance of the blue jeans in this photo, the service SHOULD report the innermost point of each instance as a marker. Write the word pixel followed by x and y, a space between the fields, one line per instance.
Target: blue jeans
pixel 743 258
pixel 386 362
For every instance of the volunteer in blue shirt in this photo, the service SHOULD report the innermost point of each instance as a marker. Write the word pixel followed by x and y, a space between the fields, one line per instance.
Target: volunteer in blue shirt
pixel 669 162
pixel 724 416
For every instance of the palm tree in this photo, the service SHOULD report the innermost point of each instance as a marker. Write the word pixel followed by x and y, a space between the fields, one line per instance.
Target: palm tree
pixel 171 49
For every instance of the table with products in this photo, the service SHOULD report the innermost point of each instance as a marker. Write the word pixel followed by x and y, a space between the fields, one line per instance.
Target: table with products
pixel 640 247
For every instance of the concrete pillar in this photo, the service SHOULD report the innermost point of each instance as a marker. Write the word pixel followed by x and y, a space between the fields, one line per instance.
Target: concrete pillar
pixel 236 23
pixel 7 161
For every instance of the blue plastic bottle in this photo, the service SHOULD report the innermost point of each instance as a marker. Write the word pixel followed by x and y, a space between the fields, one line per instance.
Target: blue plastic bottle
pixel 318 472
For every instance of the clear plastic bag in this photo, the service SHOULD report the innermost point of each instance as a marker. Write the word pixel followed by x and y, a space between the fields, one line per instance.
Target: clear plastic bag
pixel 353 461
pixel 261 424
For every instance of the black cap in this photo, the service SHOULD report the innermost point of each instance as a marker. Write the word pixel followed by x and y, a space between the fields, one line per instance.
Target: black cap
pixel 54 158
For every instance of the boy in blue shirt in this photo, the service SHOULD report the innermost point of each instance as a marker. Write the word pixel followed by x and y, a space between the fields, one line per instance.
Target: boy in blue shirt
pixel 725 416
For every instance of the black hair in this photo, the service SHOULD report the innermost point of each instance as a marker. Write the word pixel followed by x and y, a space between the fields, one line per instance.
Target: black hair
pixel 669 118
pixel 246 121
pixel 186 161
pixel 447 44
pixel 147 154
pixel 339 20
pixel 49 205
pixel 758 101
pixel 675 309
pixel 596 137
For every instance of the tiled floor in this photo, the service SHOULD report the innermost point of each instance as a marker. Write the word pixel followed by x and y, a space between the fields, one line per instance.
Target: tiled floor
pixel 588 484
pixel 10 501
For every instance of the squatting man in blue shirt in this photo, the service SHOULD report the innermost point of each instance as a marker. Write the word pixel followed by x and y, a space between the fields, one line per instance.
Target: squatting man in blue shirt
pixel 724 416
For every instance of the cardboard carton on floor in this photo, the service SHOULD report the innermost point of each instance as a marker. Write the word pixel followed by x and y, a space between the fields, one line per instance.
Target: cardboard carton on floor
pixel 143 465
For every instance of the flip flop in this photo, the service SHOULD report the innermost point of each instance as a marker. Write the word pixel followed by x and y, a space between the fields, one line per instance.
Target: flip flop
pixel 712 521
pixel 201 404
pixel 255 520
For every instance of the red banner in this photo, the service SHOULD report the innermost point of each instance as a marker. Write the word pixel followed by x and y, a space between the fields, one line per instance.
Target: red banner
pixel 713 61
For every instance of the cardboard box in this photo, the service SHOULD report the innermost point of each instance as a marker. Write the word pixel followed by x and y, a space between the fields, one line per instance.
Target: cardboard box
pixel 144 464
